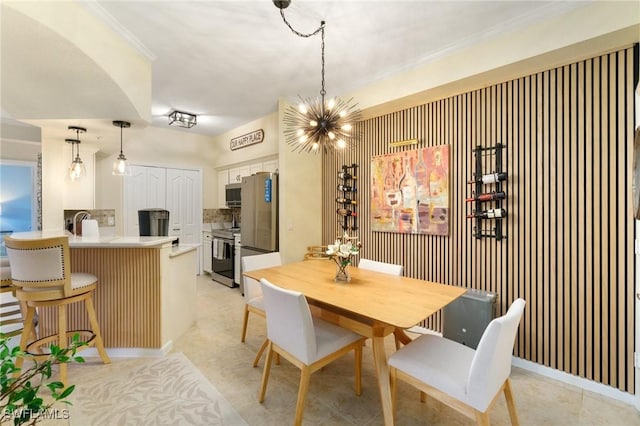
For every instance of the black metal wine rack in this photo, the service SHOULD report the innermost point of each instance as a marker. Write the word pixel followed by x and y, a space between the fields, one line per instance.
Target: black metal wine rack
pixel 488 227
pixel 347 190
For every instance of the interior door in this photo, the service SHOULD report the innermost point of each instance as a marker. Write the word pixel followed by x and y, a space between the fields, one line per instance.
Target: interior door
pixel 184 202
pixel 144 189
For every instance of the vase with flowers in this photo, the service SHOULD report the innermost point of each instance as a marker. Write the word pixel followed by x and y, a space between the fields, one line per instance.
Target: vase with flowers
pixel 341 252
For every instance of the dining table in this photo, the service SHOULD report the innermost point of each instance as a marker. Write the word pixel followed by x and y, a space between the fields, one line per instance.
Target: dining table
pixel 372 304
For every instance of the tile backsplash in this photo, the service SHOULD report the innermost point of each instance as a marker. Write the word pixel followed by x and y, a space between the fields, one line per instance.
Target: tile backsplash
pixel 106 217
pixel 220 216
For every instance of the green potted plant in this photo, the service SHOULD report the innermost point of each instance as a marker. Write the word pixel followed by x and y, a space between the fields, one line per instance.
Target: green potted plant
pixel 20 388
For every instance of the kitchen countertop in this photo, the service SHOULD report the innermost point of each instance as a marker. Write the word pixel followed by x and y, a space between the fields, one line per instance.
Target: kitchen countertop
pixel 101 242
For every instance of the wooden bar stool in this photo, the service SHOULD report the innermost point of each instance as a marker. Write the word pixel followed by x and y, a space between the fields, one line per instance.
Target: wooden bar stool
pixel 41 276
pixel 10 312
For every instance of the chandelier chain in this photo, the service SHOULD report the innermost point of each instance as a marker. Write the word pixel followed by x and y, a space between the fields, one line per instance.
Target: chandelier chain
pixel 299 34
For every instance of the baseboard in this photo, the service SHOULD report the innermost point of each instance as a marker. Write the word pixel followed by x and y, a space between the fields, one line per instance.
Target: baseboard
pixel 131 352
pixel 580 382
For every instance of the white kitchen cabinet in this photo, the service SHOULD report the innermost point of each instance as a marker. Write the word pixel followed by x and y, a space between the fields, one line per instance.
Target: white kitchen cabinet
pixel 270 166
pixel 223 180
pixel 80 194
pixel 236 174
pixel 255 168
pixel 207 239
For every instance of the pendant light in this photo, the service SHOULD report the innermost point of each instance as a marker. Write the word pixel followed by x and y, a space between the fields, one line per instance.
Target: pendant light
pixel 320 124
pixel 121 166
pixel 76 171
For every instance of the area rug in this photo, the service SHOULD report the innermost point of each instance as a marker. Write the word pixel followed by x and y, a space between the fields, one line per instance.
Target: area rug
pixel 166 391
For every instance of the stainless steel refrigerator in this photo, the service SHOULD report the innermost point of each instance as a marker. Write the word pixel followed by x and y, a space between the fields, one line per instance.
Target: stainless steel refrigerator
pixel 259 215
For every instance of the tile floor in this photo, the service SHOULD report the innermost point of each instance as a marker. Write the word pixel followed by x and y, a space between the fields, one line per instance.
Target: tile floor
pixel 214 346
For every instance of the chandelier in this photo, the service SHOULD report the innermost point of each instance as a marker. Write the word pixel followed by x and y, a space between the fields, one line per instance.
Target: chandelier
pixel 318 124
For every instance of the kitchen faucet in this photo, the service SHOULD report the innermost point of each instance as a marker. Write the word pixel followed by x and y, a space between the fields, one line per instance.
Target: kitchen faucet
pixel 75 220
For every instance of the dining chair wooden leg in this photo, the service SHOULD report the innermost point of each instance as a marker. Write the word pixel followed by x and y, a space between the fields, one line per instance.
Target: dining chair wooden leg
pixel 305 377
pixel 357 355
pixel 62 339
pixel 245 321
pixel 482 418
pixel 256 360
pixel 95 328
pixel 260 351
pixel 508 395
pixel 265 372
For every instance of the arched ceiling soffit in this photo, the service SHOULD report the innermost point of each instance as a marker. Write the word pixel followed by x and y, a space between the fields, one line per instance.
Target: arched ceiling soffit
pixel 46 76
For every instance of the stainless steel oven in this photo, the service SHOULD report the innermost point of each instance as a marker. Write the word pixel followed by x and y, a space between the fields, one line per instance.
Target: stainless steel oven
pixel 222 257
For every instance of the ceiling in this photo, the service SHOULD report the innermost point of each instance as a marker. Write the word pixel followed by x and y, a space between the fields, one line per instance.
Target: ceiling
pixel 230 61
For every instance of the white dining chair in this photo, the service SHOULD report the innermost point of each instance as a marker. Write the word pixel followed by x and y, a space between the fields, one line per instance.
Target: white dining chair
pixel 308 342
pixel 469 380
pixel 253 301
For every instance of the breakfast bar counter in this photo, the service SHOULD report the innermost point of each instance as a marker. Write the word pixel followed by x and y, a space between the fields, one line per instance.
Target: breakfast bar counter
pixel 146 293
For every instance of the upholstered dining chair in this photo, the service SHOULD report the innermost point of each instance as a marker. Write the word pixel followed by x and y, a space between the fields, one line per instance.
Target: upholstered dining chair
pixel 253 301
pixel 41 276
pixel 469 380
pixel 307 342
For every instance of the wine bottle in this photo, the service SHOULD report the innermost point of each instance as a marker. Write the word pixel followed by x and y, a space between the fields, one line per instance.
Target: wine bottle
pixel 500 195
pixel 488 214
pixel 345 201
pixel 346 188
pixel 345 175
pixel 490 178
pixel 346 212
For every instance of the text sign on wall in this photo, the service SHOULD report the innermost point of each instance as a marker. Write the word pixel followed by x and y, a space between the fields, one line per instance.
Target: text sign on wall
pixel 252 138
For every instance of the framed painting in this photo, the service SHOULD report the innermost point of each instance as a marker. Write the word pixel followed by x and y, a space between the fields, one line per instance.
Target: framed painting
pixel 410 191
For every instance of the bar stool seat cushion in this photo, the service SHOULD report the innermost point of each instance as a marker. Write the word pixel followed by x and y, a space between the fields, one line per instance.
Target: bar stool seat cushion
pixel 82 279
pixel 5 273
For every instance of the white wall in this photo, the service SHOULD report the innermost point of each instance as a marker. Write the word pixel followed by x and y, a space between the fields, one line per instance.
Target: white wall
pixel 578 34
pixel 300 201
pixel 225 157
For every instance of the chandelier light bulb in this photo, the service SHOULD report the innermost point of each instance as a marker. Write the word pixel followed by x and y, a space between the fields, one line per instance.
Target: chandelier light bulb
pixel 331 135
pixel 346 127
pixel 303 138
pixel 313 123
pixel 302 108
pixel 315 146
pixel 343 113
pixel 341 144
pixel 331 103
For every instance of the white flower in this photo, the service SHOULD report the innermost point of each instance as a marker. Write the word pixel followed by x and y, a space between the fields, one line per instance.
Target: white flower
pixel 343 247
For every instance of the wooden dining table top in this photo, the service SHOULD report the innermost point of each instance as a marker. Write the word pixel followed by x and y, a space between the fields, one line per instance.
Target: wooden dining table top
pixel 394 300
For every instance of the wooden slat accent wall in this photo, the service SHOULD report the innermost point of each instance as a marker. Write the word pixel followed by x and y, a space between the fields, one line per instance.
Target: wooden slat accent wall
pixel 127 298
pixel 569 245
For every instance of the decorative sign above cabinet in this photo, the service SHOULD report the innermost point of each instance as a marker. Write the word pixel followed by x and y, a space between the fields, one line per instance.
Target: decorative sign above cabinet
pixel 257 136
